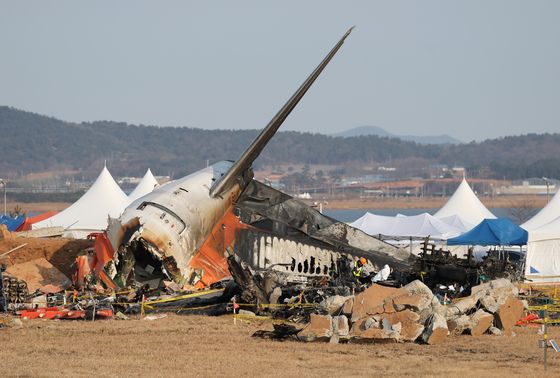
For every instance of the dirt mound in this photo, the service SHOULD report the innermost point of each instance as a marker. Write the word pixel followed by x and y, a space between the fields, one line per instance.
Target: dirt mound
pixel 60 252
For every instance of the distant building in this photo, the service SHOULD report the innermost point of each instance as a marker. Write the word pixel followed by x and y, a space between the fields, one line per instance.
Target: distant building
pixel 529 187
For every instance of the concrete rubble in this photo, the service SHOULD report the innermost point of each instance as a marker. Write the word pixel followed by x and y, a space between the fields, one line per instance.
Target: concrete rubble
pixel 382 314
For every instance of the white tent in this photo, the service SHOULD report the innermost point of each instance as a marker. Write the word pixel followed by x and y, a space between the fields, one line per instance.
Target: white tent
pixel 547 214
pixel 458 222
pixel 543 253
pixel 89 213
pixel 421 225
pixel 145 186
pixel 465 204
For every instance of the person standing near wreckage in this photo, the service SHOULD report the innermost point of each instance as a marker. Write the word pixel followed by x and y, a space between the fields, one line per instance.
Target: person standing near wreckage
pixel 359 271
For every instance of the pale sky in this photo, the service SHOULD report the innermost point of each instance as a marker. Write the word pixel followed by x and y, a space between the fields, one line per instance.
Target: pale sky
pixel 470 69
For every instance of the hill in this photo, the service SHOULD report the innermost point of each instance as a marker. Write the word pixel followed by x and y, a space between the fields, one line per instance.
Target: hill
pixel 33 143
pixel 376 130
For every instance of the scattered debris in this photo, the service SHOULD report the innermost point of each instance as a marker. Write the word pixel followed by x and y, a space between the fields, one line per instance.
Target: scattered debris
pixel 412 313
pixel 120 316
pixel 13 249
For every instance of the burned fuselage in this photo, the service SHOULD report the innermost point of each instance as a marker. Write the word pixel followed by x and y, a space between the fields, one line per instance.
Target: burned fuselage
pixel 158 234
pixel 182 228
pixel 267 229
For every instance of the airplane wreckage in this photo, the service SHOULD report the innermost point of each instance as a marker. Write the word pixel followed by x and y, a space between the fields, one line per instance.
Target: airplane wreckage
pixel 220 222
pixel 185 229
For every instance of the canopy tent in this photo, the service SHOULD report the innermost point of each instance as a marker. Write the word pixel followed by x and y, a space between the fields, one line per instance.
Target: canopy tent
pixel 543 253
pixel 421 225
pixel 547 214
pixel 500 231
pixel 465 204
pixel 458 222
pixel 12 223
pixel 145 186
pixel 89 213
pixel 30 221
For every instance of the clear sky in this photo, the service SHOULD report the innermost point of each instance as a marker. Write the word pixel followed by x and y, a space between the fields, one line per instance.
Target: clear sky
pixel 470 69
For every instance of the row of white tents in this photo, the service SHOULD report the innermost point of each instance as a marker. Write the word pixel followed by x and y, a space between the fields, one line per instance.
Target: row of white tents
pixel 102 200
pixel 542 262
pixel 462 212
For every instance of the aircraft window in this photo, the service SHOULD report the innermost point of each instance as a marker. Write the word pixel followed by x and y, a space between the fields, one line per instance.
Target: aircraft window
pixel 175 221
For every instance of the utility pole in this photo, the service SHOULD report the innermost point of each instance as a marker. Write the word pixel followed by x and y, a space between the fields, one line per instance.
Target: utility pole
pixel 3 182
pixel 547 189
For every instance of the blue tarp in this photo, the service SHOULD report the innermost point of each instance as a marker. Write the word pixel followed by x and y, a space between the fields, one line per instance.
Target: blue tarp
pixel 499 231
pixel 11 223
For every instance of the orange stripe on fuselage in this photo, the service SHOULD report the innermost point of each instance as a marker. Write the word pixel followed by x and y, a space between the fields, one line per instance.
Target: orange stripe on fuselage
pixel 211 257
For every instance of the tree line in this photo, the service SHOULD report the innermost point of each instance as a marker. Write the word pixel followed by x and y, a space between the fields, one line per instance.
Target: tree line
pixel 36 143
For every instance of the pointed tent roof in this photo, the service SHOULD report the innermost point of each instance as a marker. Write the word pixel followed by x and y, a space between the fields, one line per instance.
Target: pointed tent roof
pixel 466 204
pixel 458 222
pixel 104 198
pixel 421 225
pixel 548 231
pixel 145 186
pixel 547 214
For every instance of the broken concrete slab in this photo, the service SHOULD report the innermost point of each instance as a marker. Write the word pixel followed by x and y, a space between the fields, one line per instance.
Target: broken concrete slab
pixel 489 303
pixel 411 329
pixel 371 323
pixel 501 285
pixel 418 287
pixel 320 328
pixel 480 321
pixel 275 295
pixel 463 306
pixel 436 331
pixel 334 304
pixel 376 335
pixel 458 325
pixel 508 314
pixel 120 316
pixel 417 302
pixel 335 336
pixel 341 324
pixel 371 301
pixel 246 313
pixel 348 305
pixel 495 331
pixel 433 307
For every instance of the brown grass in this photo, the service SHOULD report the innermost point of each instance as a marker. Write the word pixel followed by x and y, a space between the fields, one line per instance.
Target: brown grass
pixel 531 201
pixel 38 207
pixel 536 202
pixel 206 346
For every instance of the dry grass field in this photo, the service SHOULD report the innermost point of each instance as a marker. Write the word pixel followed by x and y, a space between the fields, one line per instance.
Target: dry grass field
pixel 38 207
pixel 535 202
pixel 207 347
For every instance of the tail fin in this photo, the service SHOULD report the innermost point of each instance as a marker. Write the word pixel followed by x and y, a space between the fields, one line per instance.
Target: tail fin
pixel 248 157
